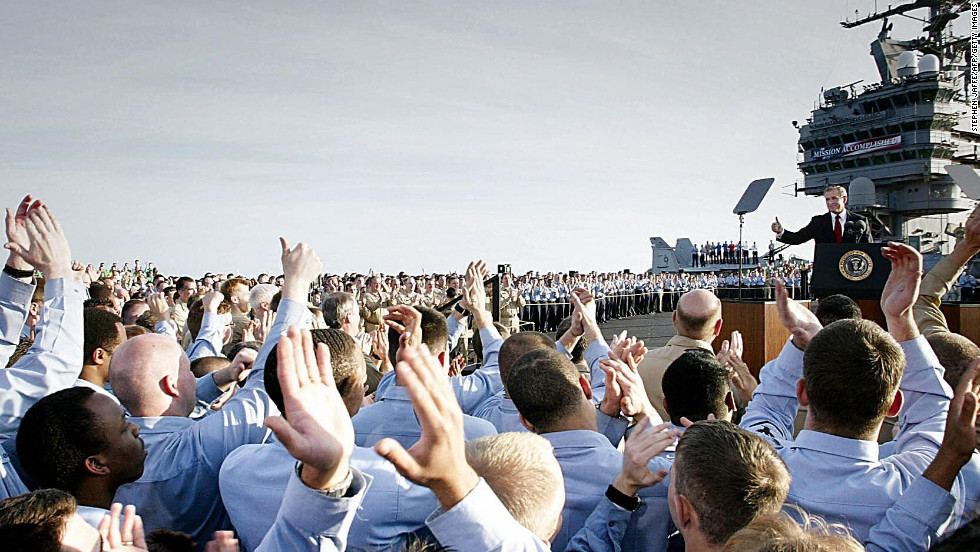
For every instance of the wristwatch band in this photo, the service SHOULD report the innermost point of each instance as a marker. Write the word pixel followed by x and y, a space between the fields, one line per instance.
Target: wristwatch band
pixel 621 499
pixel 17 273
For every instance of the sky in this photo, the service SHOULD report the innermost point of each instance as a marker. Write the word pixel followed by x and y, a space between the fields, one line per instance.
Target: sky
pixel 413 135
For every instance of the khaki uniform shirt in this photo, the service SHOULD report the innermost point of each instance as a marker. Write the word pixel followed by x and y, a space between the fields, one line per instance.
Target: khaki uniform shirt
pixel 511 303
pixel 656 362
pixel 936 283
pixel 373 309
pixel 400 297
pixel 179 315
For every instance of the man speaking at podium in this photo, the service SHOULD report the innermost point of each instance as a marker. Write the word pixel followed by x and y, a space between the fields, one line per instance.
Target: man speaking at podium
pixel 838 225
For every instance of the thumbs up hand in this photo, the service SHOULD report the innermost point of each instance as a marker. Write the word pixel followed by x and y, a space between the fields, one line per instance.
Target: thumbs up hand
pixel 777 227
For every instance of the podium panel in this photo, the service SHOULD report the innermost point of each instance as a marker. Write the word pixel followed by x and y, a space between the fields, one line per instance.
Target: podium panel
pixel 964 319
pixel 857 270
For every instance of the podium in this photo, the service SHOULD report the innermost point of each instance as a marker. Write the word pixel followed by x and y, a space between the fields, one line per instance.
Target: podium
pixel 857 270
pixel 964 319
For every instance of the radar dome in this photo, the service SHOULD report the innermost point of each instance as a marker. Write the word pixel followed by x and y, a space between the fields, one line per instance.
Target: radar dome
pixel 861 193
pixel 929 65
pixel 908 64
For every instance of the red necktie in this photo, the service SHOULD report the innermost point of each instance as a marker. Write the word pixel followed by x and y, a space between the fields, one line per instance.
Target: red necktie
pixel 837 229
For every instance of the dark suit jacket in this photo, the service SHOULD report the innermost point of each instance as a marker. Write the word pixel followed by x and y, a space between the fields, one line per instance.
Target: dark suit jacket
pixel 821 230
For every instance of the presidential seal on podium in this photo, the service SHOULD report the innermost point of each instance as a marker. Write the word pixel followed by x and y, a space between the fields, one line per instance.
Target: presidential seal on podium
pixel 856 265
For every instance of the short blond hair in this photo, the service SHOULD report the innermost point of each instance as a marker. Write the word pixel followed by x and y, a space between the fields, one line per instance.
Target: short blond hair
pixel 781 533
pixel 522 471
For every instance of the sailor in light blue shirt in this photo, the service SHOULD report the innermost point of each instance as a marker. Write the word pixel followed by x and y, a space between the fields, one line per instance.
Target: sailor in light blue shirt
pixel 843 479
pixel 500 411
pixel 52 363
pixel 311 521
pixel 393 416
pixel 555 402
pixel 15 301
pixel 179 487
pixel 211 337
pixel 473 389
pixel 254 479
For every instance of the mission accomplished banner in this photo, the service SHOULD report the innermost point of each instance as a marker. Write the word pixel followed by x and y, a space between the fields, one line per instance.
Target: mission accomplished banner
pixel 855 148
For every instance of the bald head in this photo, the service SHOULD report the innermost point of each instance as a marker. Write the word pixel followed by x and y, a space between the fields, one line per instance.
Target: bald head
pixel 151 376
pixel 698 315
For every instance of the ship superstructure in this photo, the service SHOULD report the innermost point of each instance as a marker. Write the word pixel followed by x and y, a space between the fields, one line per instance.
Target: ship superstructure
pixel 888 142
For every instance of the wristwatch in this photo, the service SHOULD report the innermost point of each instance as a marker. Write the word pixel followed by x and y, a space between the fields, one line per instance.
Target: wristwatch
pixel 621 499
pixel 17 273
pixel 340 491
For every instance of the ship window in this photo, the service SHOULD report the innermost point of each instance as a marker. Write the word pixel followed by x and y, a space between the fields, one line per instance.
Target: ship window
pixel 893 129
pixel 877 132
pixel 863 162
pixel 884 104
pixel 901 100
pixel 878 160
pixel 908 125
pixel 892 157
pixel 925 125
pixel 925 153
pixel 862 135
pixel 821 168
pixel 849 164
pixel 835 166
pixel 908 154
pixel 848 137
pixel 869 107
pixel 820 143
pixel 929 95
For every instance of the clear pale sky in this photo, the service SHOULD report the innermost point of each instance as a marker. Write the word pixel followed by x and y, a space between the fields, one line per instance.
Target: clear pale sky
pixel 413 135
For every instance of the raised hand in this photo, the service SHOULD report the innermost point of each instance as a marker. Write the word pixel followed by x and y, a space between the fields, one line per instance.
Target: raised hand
pixel 741 377
pixel 125 535
pixel 799 320
pixel 263 325
pixel 635 353
pixel 646 442
pixel 474 294
pixel 901 290
pixel 438 459
pixel 972 228
pixel 408 323
pixel 634 402
pixel 158 306
pixel 317 429
pixel 960 439
pixel 612 402
pixel 212 300
pixel 961 432
pixel 618 345
pixel 300 268
pixel 43 245
pixel 78 272
pixel 777 227
pixel 16 225
pixel 222 541
pixel 379 346
pixel 584 304
pixel 457 365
